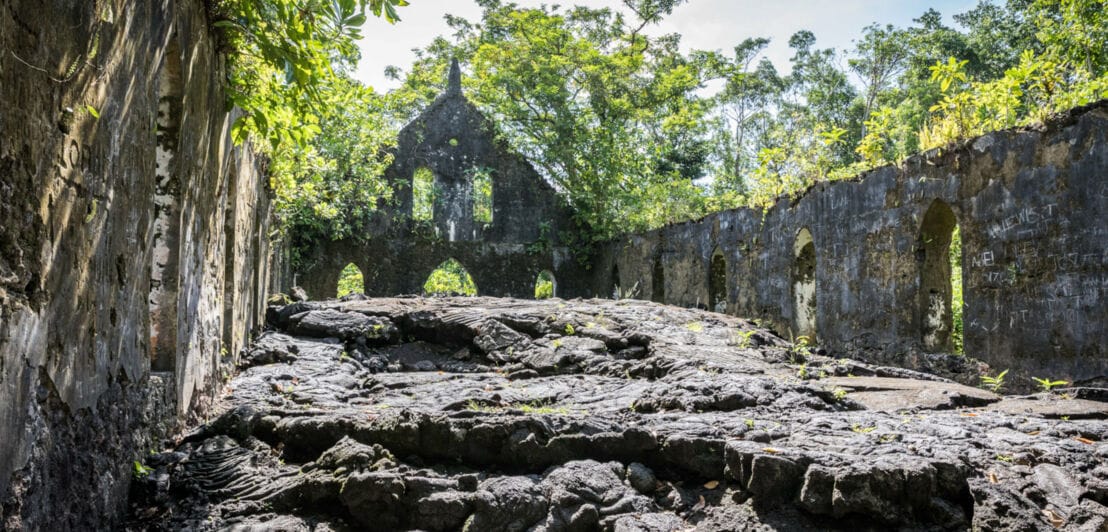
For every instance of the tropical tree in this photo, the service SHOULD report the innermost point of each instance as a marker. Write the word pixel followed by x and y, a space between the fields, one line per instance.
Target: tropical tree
pixel 620 121
pixel 608 114
pixel 742 109
pixel 879 57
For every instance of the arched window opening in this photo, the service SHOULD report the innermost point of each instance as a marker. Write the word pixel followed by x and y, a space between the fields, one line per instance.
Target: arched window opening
pixel 166 242
pixel 482 195
pixel 423 194
pixel 658 280
pixel 351 281
pixel 957 304
pixel 617 292
pixel 545 285
pixel 450 279
pixel 940 255
pixel 804 285
pixel 717 282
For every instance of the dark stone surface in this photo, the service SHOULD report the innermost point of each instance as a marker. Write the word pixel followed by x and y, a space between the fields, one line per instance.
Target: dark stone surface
pixel 699 429
pixel 86 220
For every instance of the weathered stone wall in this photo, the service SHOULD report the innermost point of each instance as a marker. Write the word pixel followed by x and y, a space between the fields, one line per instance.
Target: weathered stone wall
pixel 396 252
pixel 1032 208
pixel 393 266
pixel 132 240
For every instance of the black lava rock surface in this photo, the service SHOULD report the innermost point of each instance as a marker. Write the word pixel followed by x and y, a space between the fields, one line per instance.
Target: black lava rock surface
pixel 485 414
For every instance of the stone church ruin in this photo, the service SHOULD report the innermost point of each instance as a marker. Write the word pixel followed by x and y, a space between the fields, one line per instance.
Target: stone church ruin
pixel 162 369
pixel 452 147
pixel 860 267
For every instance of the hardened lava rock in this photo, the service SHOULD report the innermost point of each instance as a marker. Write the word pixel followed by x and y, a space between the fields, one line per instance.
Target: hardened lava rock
pixel 485 414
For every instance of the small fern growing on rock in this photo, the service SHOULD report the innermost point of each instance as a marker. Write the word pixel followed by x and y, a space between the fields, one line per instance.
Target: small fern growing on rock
pixel 994 383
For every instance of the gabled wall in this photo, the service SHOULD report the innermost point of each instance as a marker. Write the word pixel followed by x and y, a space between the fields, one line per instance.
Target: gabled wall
pixel 396 253
pixel 97 215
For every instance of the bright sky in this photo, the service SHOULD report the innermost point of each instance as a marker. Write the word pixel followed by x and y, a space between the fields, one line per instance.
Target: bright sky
pixel 703 24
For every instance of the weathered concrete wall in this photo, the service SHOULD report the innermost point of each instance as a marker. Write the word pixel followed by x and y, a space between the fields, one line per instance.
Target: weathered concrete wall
pixel 396 252
pixel 1032 207
pixel 97 215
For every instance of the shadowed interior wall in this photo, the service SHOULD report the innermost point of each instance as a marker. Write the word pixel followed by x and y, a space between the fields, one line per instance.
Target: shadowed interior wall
pixel 129 241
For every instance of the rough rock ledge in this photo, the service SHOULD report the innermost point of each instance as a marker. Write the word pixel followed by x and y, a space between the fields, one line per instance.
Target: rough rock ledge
pixel 485 414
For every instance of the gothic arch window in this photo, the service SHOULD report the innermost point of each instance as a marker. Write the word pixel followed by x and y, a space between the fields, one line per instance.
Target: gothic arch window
pixel 717 282
pixel 804 285
pixel 940 295
pixel 546 286
pixel 450 279
pixel 423 194
pixel 351 281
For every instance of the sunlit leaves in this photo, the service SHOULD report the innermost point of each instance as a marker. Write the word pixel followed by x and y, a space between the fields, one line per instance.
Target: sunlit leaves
pixel 1038 85
pixel 323 132
pixel 450 279
pixel 351 281
pixel 423 194
pixel 948 73
pixel 284 54
pixel 481 181
pixel 331 185
pixel 544 285
pixel 617 118
pixel 599 112
pixel 388 8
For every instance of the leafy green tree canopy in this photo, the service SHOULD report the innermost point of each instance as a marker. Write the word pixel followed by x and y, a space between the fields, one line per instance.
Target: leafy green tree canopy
pixel 633 131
